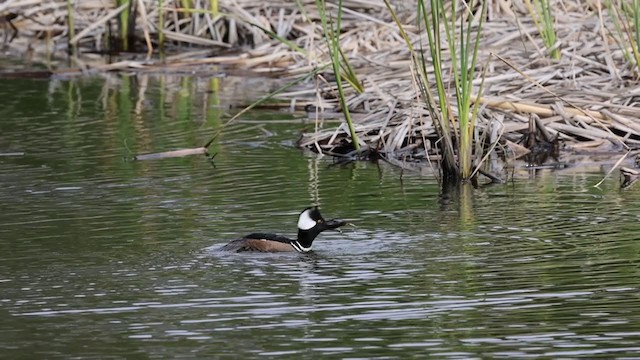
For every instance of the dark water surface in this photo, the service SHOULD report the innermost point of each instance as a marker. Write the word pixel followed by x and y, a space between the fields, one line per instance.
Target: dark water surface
pixel 106 258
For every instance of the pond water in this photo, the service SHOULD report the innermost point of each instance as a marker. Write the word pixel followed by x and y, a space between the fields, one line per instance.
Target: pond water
pixel 101 257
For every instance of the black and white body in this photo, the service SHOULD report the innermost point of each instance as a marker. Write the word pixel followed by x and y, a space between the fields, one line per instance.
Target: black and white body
pixel 310 225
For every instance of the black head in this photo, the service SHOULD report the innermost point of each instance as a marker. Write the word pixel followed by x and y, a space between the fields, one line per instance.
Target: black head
pixel 311 223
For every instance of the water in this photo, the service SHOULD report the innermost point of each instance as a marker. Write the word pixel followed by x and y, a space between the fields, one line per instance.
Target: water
pixel 106 258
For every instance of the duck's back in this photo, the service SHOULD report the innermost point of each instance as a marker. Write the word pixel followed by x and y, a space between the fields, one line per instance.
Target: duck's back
pixel 260 242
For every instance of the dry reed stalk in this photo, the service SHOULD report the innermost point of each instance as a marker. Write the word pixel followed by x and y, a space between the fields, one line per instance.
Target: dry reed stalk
pixel 171 154
pixel 145 27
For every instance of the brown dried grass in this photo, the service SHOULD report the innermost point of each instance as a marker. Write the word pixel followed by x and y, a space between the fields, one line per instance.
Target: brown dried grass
pixel 590 94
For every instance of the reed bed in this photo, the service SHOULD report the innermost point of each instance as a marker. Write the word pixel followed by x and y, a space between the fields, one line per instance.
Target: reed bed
pixel 584 99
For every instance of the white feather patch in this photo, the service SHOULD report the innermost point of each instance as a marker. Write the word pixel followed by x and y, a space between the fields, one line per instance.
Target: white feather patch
pixel 305 222
pixel 299 248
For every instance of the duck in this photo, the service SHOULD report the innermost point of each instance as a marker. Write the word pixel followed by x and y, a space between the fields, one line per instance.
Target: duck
pixel 310 225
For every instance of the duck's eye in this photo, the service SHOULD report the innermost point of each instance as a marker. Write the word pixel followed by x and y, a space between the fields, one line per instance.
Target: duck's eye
pixel 320 221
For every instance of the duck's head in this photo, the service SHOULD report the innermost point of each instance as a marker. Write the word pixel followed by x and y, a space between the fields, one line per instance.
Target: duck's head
pixel 311 223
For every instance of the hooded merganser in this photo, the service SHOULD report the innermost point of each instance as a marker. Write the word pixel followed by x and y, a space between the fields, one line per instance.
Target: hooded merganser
pixel 310 224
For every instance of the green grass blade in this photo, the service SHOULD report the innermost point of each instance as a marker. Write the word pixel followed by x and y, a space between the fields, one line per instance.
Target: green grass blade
pixel 332 38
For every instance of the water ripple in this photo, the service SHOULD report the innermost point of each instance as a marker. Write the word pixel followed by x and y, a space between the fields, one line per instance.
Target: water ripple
pixel 118 258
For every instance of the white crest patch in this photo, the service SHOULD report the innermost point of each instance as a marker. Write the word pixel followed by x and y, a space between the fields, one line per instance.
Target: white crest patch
pixel 305 222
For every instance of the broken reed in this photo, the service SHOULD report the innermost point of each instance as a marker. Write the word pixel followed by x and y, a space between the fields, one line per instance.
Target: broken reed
pixel 540 12
pixel 462 41
pixel 626 21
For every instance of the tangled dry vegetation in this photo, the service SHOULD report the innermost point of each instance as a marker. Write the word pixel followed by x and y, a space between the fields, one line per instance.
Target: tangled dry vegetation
pixel 587 101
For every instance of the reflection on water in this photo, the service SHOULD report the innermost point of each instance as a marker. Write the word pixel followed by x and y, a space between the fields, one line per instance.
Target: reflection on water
pixel 104 257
